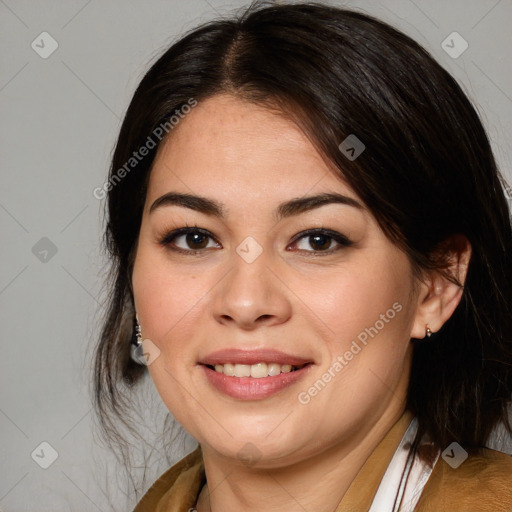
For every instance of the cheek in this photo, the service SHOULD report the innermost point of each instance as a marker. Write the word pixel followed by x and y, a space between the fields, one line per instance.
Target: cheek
pixel 372 319
pixel 369 314
pixel 167 300
pixel 363 300
pixel 168 304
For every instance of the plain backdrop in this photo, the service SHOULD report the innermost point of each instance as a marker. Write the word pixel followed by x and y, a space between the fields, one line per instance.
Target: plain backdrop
pixel 59 120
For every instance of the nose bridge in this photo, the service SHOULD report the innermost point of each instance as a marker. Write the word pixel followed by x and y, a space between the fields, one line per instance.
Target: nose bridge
pixel 248 282
pixel 251 292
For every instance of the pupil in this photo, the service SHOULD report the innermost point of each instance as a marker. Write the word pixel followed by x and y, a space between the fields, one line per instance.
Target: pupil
pixel 320 241
pixel 197 240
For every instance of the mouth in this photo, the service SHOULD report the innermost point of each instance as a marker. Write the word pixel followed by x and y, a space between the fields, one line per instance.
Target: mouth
pixel 253 374
pixel 259 370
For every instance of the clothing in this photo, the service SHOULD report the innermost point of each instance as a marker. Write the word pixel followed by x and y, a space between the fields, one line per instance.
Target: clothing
pixel 482 483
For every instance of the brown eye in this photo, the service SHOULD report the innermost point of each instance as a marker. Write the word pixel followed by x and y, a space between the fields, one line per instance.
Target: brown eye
pixel 320 242
pixel 196 240
pixel 189 240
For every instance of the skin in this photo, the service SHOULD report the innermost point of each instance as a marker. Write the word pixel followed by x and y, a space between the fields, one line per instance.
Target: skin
pixel 289 298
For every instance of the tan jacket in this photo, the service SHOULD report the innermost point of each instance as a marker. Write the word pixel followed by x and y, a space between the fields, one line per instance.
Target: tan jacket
pixel 483 483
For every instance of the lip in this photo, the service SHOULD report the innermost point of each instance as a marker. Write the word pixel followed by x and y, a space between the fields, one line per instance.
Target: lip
pixel 241 356
pixel 250 388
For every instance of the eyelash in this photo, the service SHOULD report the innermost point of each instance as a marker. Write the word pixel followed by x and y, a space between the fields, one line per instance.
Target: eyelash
pixel 342 240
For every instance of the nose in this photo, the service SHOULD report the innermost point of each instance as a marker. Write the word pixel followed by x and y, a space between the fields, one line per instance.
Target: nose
pixel 251 295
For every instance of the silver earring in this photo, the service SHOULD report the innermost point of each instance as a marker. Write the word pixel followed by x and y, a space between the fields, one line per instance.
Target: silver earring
pixel 428 332
pixel 136 351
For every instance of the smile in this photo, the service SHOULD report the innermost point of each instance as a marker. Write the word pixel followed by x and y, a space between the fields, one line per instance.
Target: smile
pixel 256 371
pixel 243 386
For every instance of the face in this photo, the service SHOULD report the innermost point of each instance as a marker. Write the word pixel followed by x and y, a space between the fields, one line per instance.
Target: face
pixel 250 268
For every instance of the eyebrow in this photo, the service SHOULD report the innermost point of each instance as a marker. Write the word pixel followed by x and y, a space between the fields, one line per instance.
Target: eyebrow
pixel 287 209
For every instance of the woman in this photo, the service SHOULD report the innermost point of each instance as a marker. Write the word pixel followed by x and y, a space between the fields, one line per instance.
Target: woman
pixel 312 244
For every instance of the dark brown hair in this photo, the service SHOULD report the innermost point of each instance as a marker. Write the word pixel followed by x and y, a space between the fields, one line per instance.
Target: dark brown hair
pixel 427 173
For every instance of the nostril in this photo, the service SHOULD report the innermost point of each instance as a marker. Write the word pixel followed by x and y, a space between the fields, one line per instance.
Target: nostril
pixel 263 317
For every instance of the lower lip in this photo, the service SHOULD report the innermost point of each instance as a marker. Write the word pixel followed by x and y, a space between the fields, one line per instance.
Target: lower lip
pixel 249 388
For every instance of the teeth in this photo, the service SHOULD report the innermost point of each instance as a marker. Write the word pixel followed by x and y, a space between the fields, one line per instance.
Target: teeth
pixel 229 369
pixel 257 371
pixel 242 370
pixel 274 369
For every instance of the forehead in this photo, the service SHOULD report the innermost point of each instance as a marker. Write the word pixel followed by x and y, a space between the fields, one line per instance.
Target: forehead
pixel 243 151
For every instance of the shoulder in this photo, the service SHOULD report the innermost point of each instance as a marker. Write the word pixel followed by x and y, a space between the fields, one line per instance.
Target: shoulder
pixel 483 482
pixel 180 482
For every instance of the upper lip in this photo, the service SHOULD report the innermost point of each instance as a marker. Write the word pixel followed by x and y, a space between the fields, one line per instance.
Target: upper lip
pixel 241 356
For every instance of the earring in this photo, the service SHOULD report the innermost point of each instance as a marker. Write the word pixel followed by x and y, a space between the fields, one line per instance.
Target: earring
pixel 428 332
pixel 136 350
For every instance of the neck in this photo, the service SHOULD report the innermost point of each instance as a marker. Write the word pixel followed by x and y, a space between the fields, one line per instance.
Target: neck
pixel 317 483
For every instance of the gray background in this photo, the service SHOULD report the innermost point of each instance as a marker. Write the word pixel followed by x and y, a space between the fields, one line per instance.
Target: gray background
pixel 60 117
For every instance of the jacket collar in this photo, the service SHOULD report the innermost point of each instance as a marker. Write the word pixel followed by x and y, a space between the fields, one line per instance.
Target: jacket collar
pixel 363 488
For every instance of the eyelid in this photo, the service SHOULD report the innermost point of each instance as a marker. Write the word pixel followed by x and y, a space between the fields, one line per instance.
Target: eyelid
pixel 170 236
pixel 339 238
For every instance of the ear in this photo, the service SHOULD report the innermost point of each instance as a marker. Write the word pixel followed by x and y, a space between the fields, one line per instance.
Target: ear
pixel 439 296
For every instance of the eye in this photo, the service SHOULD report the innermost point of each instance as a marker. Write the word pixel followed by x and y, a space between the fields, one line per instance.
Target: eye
pixel 193 240
pixel 189 240
pixel 321 241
